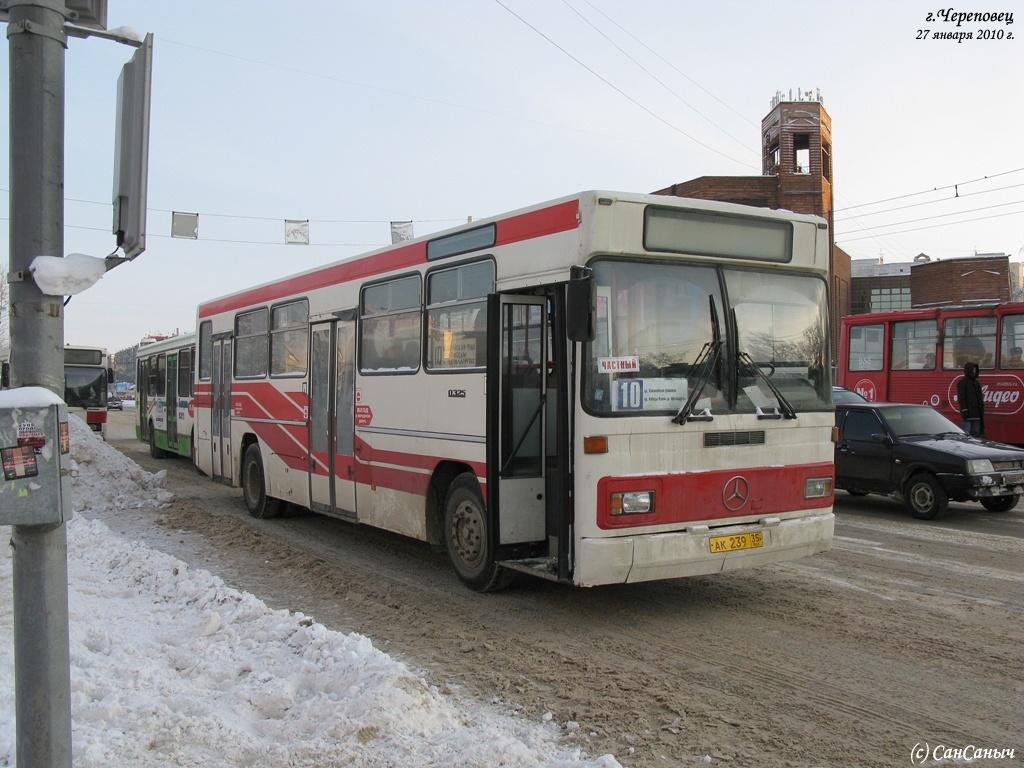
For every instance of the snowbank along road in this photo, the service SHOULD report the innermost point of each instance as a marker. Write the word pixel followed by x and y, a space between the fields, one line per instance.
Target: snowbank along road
pixel 907 632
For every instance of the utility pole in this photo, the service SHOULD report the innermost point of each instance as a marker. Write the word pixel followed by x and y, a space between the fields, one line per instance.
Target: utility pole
pixel 36 39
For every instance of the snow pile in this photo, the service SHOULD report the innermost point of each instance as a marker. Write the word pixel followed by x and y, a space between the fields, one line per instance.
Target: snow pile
pixel 66 276
pixel 169 666
pixel 172 667
pixel 103 477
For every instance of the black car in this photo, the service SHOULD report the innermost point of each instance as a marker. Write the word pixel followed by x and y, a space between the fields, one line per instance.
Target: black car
pixel 844 396
pixel 917 453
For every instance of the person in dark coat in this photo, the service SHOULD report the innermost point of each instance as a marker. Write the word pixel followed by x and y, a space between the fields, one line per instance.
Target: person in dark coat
pixel 971 401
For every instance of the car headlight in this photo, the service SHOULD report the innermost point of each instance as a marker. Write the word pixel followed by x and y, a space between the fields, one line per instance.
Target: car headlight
pixel 632 503
pixel 978 466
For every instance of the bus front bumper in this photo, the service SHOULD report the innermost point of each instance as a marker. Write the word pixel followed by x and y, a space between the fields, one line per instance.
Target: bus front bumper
pixel 651 556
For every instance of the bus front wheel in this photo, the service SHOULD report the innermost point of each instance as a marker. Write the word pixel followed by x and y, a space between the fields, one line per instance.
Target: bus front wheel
pixel 254 487
pixel 467 537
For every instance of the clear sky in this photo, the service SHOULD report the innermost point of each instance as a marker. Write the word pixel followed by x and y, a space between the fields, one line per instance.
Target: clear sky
pixel 344 112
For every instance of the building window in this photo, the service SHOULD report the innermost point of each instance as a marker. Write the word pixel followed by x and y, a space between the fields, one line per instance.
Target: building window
pixel 773 158
pixel 251 344
pixel 969 340
pixel 866 347
pixel 889 299
pixel 913 345
pixel 801 153
pixel 289 339
pixel 457 316
pixel 389 340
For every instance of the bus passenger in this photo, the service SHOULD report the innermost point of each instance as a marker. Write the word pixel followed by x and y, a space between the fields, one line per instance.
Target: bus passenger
pixel 1015 360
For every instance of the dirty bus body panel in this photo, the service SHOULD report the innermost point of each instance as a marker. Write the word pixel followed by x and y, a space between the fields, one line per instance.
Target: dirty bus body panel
pixel 437 389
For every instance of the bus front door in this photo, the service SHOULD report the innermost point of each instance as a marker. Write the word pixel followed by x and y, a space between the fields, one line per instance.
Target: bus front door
pixel 519 451
pixel 331 431
pixel 172 402
pixel 220 418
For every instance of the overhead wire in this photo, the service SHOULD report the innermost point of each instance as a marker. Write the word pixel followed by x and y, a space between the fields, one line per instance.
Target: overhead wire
pixel 930 202
pixel 926 191
pixel 937 216
pixel 263 218
pixel 623 93
pixel 653 76
pixel 947 224
pixel 673 66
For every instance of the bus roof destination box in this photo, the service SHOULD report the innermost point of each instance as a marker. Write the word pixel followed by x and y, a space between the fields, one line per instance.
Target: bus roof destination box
pixel 34 442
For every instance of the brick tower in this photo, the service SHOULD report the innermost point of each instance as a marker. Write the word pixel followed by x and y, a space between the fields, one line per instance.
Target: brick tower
pixel 796 167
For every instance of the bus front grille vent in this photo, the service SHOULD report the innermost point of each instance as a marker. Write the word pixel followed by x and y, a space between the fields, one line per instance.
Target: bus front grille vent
pixel 727 439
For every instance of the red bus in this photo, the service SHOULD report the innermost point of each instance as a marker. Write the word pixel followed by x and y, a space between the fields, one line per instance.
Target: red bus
pixel 918 356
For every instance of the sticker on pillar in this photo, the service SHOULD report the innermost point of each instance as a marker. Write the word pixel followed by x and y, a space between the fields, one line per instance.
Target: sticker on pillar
pixel 364 415
pixel 31 436
pixel 19 462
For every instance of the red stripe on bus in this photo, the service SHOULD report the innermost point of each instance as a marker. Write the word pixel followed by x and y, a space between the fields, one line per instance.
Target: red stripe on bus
pixel 525 226
pixel 714 495
pixel 399 258
pixel 280 444
pixel 269 398
pixel 367 453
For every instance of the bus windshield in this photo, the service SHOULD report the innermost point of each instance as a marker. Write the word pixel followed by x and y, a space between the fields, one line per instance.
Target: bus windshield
pixel 654 319
pixel 85 387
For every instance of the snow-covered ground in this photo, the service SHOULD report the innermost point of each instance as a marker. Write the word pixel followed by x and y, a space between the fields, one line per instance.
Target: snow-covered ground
pixel 171 667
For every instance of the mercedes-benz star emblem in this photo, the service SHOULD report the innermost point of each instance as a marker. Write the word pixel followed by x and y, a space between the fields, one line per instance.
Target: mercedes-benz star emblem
pixel 735 493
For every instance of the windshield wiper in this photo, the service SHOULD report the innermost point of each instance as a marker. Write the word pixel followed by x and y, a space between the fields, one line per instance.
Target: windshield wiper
pixel 706 364
pixel 784 405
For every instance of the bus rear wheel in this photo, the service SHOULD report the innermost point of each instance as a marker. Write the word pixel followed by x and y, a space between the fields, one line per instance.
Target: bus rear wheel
pixel 254 487
pixel 467 537
pixel 156 453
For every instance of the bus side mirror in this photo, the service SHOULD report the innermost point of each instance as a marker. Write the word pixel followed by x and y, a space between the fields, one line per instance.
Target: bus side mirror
pixel 5 375
pixel 110 375
pixel 580 305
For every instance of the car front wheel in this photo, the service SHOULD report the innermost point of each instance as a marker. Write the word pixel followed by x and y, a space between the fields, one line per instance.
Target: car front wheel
pixel 924 497
pixel 1000 503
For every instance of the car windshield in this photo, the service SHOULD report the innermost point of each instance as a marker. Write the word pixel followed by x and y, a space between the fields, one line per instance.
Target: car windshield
pixel 907 420
pixel 655 319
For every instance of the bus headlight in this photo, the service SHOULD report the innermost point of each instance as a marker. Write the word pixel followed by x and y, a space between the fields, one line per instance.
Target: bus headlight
pixel 632 503
pixel 979 466
pixel 817 487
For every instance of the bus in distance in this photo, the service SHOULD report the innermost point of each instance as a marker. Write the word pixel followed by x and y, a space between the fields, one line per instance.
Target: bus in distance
pixel 918 356
pixel 163 395
pixel 604 388
pixel 87 375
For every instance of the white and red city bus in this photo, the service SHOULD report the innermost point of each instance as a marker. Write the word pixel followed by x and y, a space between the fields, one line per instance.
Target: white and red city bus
pixel 918 356
pixel 599 389
pixel 87 375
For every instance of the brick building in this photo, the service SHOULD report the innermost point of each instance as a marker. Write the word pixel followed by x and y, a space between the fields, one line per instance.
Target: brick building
pixel 797 175
pixel 982 279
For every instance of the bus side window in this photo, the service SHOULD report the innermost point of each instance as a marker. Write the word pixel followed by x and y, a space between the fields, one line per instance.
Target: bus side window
pixel 1012 342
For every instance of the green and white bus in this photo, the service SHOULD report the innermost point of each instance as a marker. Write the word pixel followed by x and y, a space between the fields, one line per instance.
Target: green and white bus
pixel 163 384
